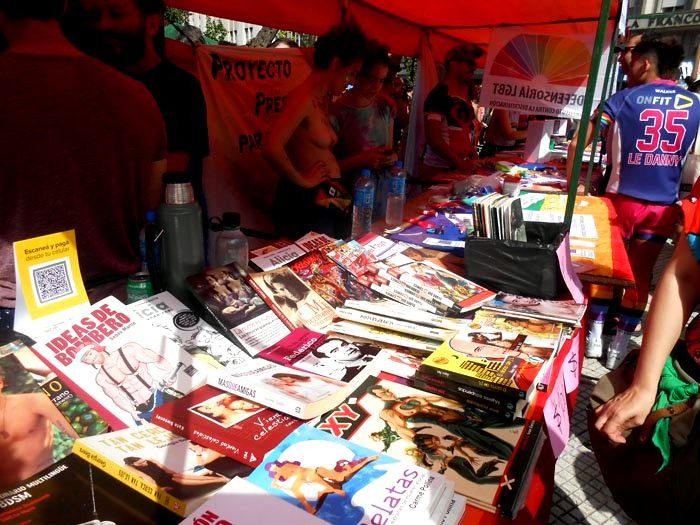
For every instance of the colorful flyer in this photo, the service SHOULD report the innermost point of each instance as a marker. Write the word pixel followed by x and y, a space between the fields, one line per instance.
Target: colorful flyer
pixel 48 279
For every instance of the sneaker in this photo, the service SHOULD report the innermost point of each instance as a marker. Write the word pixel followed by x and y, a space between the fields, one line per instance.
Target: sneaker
pixel 594 347
pixel 615 357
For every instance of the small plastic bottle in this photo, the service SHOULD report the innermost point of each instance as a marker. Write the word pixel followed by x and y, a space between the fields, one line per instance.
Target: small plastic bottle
pixel 150 221
pixel 231 243
pixel 363 202
pixel 396 196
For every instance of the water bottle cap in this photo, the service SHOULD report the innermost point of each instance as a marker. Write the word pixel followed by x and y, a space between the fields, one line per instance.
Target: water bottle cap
pixel 365 172
pixel 230 220
pixel 176 177
pixel 398 164
pixel 151 216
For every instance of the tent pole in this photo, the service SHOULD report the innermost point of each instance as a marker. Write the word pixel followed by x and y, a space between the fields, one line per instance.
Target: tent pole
pixel 596 132
pixel 586 111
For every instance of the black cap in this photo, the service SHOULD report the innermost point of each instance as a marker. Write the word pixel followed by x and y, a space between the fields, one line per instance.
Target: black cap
pixel 176 177
pixel 230 220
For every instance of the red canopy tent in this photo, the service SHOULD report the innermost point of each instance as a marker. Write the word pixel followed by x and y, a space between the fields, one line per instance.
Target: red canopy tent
pixel 401 23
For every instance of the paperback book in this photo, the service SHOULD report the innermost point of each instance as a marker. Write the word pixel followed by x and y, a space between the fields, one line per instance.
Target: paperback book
pixel 34 434
pixel 243 503
pixel 382 335
pixel 565 311
pixel 162 466
pixel 188 330
pixel 394 324
pixel 477 450
pixel 74 492
pixel 226 423
pixel 119 364
pixel 236 308
pixel 329 356
pixel 494 321
pixel 514 367
pixel 299 394
pixel 291 299
pixel 397 310
pixel 330 280
pixel 345 483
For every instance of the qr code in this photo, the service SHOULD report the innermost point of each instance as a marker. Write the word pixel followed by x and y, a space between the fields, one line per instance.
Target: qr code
pixel 52 282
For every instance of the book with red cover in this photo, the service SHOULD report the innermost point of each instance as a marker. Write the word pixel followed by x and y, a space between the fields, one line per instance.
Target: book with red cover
pixel 330 280
pixel 226 423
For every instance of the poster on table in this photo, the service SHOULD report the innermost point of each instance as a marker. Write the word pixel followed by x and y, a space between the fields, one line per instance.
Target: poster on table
pixel 540 74
pixel 245 90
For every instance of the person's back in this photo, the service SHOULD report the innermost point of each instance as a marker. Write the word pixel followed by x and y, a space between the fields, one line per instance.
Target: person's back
pixel 655 126
pixel 78 141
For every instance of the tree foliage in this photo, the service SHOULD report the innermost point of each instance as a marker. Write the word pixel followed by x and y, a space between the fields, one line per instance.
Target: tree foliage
pixel 176 16
pixel 215 30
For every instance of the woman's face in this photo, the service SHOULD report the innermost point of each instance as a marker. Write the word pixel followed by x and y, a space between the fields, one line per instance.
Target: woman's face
pixel 370 83
pixel 279 288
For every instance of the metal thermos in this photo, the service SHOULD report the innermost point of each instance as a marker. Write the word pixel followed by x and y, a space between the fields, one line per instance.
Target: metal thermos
pixel 180 217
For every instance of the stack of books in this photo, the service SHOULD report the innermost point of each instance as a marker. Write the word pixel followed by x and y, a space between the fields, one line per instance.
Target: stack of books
pixel 357 382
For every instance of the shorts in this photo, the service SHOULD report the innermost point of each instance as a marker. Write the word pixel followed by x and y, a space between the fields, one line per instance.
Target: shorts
pixel 638 219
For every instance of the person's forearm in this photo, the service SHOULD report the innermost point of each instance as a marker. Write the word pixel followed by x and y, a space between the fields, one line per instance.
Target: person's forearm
pixel 674 300
pixel 444 150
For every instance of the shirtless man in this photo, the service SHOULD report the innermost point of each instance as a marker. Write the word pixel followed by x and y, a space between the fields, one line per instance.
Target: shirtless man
pixel 26 435
pixel 125 376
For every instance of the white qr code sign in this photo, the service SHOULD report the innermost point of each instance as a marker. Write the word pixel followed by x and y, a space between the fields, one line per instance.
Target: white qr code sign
pixel 51 282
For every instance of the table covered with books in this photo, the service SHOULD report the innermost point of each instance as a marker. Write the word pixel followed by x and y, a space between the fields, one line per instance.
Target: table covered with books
pixel 339 379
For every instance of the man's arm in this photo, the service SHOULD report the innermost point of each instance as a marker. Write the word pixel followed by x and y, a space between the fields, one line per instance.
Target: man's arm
pixel 434 139
pixel 135 353
pixel 571 151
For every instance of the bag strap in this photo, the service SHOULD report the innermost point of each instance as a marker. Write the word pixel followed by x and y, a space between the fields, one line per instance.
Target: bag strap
pixel 669 411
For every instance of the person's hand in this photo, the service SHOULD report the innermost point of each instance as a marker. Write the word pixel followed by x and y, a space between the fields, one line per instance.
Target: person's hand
pixel 624 412
pixel 316 174
pixel 377 158
pixel 466 165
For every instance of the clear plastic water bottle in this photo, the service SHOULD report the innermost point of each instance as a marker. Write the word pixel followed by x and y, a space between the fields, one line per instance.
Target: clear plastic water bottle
pixel 231 243
pixel 396 196
pixel 363 202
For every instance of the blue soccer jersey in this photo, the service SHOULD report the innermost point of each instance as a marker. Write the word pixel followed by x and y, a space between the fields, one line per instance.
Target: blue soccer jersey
pixel 651 129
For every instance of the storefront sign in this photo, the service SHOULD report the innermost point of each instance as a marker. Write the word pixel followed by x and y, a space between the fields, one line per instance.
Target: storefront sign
pixel 665 21
pixel 538 74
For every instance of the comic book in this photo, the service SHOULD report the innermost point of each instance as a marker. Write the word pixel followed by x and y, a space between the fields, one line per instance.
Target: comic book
pixel 119 364
pixel 238 310
pixel 162 466
pixel 343 482
pixel 295 303
pixel 330 280
pixel 329 356
pixel 493 361
pixel 475 449
pixel 226 423
pixel 188 330
pixel 397 310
